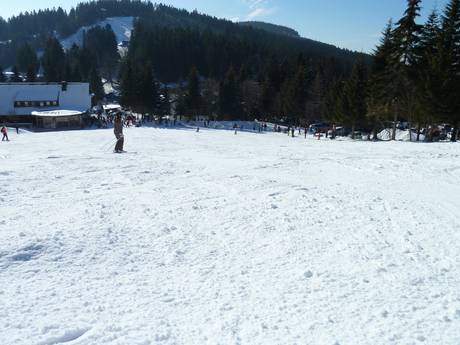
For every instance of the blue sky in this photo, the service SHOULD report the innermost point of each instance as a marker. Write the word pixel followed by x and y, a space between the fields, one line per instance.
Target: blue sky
pixel 353 24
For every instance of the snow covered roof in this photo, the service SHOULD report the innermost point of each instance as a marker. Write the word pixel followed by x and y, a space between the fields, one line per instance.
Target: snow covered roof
pixel 71 96
pixel 111 106
pixel 56 113
pixel 38 94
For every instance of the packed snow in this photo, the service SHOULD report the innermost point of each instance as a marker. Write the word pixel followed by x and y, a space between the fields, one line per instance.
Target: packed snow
pixel 401 135
pixel 121 26
pixel 215 238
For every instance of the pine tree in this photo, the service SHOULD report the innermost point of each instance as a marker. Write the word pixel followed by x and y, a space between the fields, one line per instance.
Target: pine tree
pixel 381 90
pixel 193 99
pixel 268 95
pixel 330 107
pixel 406 35
pixel 406 39
pixel 147 91
pixel 16 77
pixel 96 87
pixel 26 59
pixel 294 95
pixel 2 75
pixel 315 98
pixel 428 72
pixel 450 64
pixel 127 85
pixel 355 96
pixel 229 96
pixel 53 61
pixel 31 75
pixel 164 106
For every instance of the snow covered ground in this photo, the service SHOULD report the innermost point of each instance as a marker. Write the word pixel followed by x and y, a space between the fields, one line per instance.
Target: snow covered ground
pixel 121 26
pixel 212 238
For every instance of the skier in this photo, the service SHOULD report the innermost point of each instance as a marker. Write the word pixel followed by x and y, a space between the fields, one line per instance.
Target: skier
pixel 4 131
pixel 118 131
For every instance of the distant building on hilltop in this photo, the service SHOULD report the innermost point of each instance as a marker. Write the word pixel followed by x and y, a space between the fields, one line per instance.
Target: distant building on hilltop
pixel 44 105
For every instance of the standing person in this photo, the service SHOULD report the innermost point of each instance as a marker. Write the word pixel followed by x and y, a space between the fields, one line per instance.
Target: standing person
pixel 5 134
pixel 17 130
pixel 118 131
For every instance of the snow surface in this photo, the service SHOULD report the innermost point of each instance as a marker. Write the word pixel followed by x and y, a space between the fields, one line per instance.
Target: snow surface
pixel 121 26
pixel 401 135
pixel 216 238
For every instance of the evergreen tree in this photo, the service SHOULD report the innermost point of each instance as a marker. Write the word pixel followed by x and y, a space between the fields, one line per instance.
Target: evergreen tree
pixel 53 61
pixel 31 75
pixel 406 36
pixel 16 77
pixel 127 85
pixel 164 106
pixel 101 43
pixel 228 96
pixel 330 107
pixel 147 91
pixel 267 98
pixel 314 99
pixel 450 64
pixel 355 96
pixel 95 86
pixel 382 90
pixel 406 40
pixel 193 99
pixel 294 96
pixel 26 59
pixel 2 75
pixel 428 76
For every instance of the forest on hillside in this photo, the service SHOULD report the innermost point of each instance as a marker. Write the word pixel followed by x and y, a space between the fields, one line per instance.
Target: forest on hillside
pixel 242 71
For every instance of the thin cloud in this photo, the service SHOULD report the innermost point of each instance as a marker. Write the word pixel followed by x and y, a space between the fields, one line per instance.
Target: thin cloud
pixel 258 8
pixel 260 12
pixel 252 4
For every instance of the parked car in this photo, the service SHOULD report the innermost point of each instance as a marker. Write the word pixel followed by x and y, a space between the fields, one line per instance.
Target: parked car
pixel 320 127
pixel 340 132
pixel 357 135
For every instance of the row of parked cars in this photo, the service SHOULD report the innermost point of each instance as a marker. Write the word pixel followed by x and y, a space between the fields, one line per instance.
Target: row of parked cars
pixel 326 128
pixel 437 133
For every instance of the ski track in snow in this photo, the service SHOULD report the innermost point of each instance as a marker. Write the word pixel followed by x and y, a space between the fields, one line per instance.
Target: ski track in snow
pixel 121 26
pixel 212 238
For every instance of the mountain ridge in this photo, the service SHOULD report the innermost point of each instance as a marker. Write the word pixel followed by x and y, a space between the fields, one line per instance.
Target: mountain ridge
pixel 270 27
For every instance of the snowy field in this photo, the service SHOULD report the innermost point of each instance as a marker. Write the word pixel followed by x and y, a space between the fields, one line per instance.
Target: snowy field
pixel 212 238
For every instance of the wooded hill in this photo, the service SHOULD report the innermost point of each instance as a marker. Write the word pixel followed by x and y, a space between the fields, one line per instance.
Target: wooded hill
pixel 35 27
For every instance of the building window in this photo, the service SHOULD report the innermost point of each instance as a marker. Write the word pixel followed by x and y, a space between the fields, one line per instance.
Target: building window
pixel 35 104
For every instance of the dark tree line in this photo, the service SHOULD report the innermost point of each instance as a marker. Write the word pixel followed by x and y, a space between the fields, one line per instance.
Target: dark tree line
pixel 414 76
pixel 241 73
pixel 216 67
pixel 35 28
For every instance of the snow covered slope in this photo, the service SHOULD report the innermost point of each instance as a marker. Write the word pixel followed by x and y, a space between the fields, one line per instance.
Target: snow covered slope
pixel 216 238
pixel 122 27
